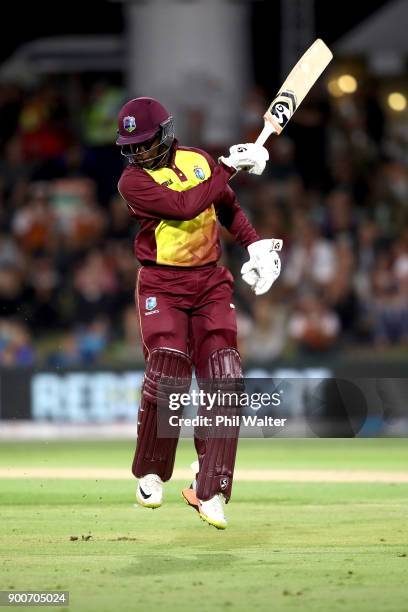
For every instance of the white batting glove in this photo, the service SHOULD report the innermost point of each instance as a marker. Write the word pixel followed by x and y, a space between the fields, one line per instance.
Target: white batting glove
pixel 264 265
pixel 249 157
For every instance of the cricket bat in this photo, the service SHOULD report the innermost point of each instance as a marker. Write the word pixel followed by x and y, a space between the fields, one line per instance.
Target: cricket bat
pixel 298 83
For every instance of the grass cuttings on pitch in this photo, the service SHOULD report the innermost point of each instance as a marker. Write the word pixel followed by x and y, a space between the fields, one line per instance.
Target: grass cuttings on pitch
pixel 308 546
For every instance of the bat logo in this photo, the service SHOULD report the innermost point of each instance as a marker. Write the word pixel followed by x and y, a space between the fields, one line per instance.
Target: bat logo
pixel 283 107
pixel 282 113
pixel 224 483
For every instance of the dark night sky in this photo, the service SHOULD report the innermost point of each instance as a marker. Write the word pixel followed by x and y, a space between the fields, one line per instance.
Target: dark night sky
pixel 333 18
pixel 102 16
pixel 28 22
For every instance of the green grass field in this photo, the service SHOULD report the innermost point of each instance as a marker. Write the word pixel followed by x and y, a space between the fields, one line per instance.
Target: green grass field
pixel 289 545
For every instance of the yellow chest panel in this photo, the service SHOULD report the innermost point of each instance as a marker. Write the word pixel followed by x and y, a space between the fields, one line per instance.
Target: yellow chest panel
pixel 193 242
pixel 193 165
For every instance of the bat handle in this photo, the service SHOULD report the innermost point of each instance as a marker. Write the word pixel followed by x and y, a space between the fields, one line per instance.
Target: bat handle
pixel 266 132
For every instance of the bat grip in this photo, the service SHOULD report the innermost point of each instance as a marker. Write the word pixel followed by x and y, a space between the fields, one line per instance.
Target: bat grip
pixel 266 132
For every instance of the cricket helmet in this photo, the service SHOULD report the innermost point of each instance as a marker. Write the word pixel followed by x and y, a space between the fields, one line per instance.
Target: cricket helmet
pixel 142 120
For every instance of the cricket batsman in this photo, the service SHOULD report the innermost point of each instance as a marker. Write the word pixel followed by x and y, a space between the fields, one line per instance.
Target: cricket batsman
pixel 179 195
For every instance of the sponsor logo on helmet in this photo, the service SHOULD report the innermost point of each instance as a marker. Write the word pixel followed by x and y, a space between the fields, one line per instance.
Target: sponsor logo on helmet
pixel 223 483
pixel 151 302
pixel 199 172
pixel 129 123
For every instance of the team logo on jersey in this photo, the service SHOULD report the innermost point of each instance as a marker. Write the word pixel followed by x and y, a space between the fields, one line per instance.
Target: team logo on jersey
pixel 129 123
pixel 151 302
pixel 199 172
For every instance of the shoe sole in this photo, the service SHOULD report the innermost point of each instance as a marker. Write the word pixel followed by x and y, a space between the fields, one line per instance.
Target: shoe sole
pixel 147 505
pixel 190 498
pixel 211 521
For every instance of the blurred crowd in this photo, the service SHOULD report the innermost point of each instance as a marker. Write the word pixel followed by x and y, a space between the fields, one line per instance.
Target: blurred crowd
pixel 336 191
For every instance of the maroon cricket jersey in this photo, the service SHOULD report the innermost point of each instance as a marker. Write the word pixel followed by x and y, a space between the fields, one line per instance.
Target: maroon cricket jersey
pixel 178 208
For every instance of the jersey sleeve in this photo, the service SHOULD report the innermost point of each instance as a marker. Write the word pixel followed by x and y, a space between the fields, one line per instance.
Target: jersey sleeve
pixel 146 198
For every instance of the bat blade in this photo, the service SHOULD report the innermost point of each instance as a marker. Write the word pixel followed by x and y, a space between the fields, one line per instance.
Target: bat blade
pixel 296 86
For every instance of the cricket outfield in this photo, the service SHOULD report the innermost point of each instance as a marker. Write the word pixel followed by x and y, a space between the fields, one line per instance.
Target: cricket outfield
pixel 307 542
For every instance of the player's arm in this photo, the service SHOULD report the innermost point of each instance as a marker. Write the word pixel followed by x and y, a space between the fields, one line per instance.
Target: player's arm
pixel 146 198
pixel 233 218
pixel 263 267
pixel 230 213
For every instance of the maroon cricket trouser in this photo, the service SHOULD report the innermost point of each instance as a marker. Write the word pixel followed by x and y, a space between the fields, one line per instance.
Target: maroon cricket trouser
pixel 189 311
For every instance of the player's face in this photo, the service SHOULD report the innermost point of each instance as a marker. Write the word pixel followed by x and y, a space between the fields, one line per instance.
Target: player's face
pixel 145 154
pixel 146 151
